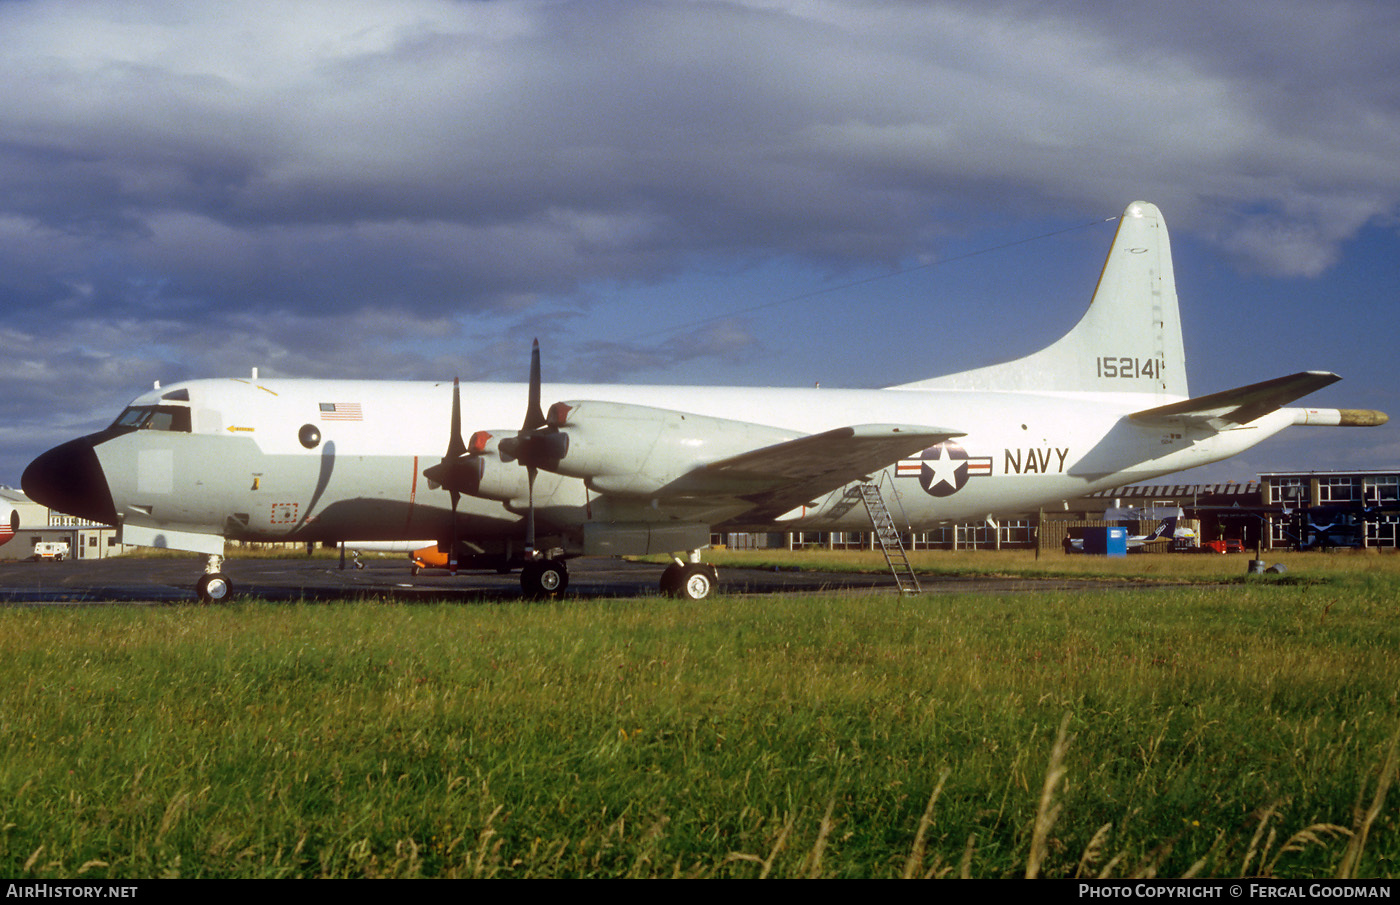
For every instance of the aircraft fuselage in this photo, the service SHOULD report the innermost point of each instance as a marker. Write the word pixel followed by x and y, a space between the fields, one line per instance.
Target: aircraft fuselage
pixel 306 460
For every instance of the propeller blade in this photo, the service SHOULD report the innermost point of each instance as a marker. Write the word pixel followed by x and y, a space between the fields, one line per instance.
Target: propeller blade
pixel 530 516
pixel 539 444
pixel 455 445
pixel 452 551
pixel 456 471
pixel 452 473
pixel 534 416
pixel 528 446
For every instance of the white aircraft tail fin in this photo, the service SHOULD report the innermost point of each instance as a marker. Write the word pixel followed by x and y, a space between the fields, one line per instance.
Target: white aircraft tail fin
pixel 1129 341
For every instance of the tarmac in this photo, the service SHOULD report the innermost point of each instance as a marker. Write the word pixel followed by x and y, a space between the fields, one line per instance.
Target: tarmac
pixel 155 581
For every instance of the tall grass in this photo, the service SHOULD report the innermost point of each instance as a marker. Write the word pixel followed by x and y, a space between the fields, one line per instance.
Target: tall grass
pixel 1204 731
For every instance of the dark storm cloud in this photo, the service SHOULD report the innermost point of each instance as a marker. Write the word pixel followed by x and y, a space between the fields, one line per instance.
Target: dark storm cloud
pixel 474 152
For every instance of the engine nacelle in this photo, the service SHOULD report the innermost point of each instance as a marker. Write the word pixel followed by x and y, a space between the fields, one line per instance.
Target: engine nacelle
pixel 638 450
pixel 498 480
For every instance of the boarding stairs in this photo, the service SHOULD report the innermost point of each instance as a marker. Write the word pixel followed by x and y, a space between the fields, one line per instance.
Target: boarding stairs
pixel 888 535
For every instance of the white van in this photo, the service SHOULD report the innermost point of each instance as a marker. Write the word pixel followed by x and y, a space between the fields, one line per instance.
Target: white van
pixel 57 551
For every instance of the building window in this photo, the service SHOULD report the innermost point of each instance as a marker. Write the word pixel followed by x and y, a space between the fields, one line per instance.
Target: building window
pixel 1288 491
pixel 1382 487
pixel 1016 532
pixel 1336 490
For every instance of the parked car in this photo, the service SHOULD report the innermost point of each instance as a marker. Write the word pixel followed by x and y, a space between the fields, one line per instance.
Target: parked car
pixel 1224 545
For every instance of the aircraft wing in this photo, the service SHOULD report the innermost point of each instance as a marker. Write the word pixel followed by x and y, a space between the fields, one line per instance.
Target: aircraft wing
pixel 786 475
pixel 1232 408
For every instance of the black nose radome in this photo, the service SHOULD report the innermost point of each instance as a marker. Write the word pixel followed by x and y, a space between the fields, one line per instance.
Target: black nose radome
pixel 69 478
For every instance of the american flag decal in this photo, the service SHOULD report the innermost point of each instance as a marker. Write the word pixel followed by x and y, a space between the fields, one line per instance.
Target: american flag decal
pixel 341 411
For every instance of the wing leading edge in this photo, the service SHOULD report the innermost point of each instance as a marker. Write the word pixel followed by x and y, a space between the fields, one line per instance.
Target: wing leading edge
pixel 786 475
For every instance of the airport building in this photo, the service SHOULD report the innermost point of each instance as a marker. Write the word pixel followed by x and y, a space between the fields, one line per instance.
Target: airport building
pixel 42 529
pixel 1282 510
pixel 1362 504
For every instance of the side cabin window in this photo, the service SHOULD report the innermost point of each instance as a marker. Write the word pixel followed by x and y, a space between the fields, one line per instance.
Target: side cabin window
pixel 154 417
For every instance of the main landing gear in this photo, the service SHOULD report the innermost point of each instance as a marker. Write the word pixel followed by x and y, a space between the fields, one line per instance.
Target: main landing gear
pixel 544 578
pixel 213 586
pixel 693 580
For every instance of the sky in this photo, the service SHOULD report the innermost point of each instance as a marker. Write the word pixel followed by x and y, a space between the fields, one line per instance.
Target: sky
pixel 751 192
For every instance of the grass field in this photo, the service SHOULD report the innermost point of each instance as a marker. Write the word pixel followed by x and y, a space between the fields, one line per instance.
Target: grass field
pixel 1210 730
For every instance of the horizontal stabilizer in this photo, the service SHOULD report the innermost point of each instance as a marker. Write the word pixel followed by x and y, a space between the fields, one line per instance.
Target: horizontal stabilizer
pixel 1231 408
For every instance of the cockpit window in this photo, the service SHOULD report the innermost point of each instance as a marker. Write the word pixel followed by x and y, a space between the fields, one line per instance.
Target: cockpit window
pixel 154 417
pixel 131 418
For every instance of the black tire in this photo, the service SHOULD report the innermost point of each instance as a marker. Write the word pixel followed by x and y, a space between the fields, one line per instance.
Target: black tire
pixel 544 578
pixel 671 579
pixel 697 580
pixel 213 587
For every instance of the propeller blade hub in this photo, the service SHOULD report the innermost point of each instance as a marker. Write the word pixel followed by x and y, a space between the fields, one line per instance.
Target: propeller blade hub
pixel 459 475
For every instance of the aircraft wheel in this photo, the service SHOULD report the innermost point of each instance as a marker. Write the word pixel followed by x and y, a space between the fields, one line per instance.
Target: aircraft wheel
pixel 213 587
pixel 671 579
pixel 696 582
pixel 412 570
pixel 544 578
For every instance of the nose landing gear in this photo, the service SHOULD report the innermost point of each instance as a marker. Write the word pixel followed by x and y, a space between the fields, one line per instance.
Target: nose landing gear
pixel 213 586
